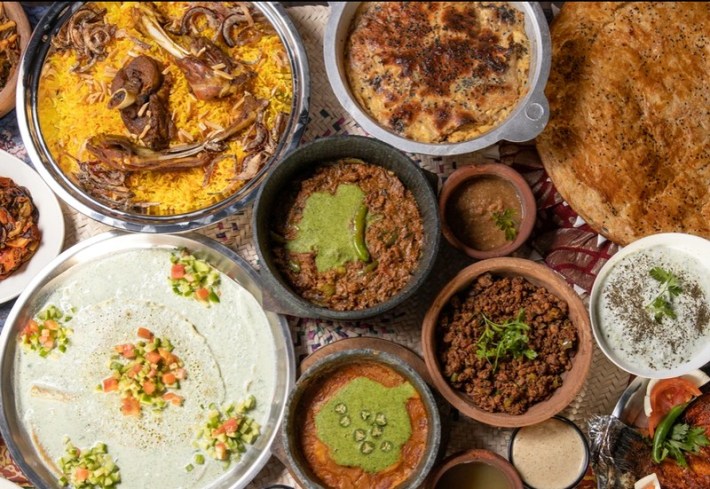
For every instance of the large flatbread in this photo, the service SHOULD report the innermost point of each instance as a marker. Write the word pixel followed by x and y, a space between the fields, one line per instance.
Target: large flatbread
pixel 627 144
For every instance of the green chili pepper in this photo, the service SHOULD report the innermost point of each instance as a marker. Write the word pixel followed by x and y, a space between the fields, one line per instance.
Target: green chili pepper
pixel 359 235
pixel 663 429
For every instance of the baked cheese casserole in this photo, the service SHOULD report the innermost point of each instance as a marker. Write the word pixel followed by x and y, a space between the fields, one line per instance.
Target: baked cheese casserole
pixel 437 72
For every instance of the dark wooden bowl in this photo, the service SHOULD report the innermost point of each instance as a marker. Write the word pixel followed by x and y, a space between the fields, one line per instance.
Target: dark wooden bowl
pixel 14 11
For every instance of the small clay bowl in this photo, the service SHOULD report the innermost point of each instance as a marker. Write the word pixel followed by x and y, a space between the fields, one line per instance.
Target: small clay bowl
pixel 293 419
pixel 538 275
pixel 14 11
pixel 585 464
pixel 476 456
pixel 460 178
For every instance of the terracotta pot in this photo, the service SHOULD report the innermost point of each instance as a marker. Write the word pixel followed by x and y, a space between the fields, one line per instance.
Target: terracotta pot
pixel 476 456
pixel 461 177
pixel 538 275
pixel 14 11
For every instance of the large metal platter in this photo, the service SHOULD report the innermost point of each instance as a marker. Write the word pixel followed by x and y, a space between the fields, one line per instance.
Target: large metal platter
pixel 28 122
pixel 104 246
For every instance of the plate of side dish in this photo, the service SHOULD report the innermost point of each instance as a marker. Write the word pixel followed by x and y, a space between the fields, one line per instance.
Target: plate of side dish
pixel 32 226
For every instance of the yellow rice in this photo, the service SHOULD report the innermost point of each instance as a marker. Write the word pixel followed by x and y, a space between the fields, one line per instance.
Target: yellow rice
pixel 73 107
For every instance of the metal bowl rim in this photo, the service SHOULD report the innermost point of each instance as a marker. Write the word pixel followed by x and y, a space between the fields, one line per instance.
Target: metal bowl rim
pixel 69 192
pixel 51 270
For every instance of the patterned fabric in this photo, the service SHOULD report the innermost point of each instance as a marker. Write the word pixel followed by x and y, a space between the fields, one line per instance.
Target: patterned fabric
pixel 560 238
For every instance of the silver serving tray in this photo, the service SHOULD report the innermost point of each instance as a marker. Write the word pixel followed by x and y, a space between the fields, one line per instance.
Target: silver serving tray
pixel 29 73
pixel 524 123
pixel 94 249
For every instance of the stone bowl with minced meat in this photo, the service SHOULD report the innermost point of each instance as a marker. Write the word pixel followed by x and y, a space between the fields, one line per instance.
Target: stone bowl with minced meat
pixel 398 195
pixel 487 374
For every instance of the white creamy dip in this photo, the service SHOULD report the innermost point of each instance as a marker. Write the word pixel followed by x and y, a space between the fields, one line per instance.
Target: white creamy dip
pixel 626 320
pixel 549 455
pixel 227 348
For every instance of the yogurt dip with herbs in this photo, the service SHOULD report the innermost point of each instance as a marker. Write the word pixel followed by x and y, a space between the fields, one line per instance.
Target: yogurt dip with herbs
pixel 225 347
pixel 653 308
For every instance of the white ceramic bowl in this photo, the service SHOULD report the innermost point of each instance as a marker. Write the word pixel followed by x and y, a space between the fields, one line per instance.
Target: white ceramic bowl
pixel 676 244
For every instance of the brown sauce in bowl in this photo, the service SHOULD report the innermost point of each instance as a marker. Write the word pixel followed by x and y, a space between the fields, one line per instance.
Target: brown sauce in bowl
pixel 485 213
pixel 318 454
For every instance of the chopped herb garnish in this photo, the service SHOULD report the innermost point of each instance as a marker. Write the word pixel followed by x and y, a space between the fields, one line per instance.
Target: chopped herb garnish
pixel 194 277
pixel 227 432
pixel 684 439
pixel 47 332
pixel 499 341
pixel 143 372
pixel 661 304
pixel 504 222
pixel 88 469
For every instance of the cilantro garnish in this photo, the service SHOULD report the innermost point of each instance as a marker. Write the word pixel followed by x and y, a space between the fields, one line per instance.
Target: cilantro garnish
pixel 684 439
pixel 504 222
pixel 501 340
pixel 661 305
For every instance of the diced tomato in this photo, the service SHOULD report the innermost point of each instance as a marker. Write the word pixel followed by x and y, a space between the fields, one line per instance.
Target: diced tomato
pixel 130 406
pixel 202 294
pixel 177 271
pixel 230 426
pixel 169 378
pixel 32 327
pixel 220 451
pixel 134 370
pixel 173 398
pixel 144 333
pixel 152 373
pixel 189 277
pixel 153 357
pixel 81 474
pixel 110 384
pixel 126 350
pixel 47 342
pixel 51 324
pixel 666 394
pixel 148 387
pixel 45 333
pixel 167 356
pixel 180 373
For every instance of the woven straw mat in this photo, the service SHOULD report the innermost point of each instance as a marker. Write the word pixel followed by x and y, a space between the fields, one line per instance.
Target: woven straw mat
pixel 599 394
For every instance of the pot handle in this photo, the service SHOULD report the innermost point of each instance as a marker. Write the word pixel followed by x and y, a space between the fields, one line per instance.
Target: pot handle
pixel 533 118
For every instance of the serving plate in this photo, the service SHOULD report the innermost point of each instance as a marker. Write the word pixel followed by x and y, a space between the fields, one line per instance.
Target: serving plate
pixel 685 244
pixel 28 122
pixel 92 251
pixel 51 224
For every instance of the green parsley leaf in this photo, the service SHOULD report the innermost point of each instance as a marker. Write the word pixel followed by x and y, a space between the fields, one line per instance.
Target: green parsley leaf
pixel 500 341
pixel 504 222
pixel 684 439
pixel 661 306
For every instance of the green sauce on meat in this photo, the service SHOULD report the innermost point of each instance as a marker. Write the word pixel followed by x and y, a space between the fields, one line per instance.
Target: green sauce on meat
pixel 327 227
pixel 366 424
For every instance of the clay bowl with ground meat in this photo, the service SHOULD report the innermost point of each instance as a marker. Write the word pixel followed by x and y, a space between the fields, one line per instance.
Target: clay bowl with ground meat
pixel 346 228
pixel 507 342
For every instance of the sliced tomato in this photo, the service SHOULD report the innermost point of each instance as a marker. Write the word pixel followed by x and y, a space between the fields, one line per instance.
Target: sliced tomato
pixel 144 333
pixel 169 378
pixel 110 384
pixel 230 426
pixel 177 271
pixel 666 394
pixel 130 406
pixel 202 294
